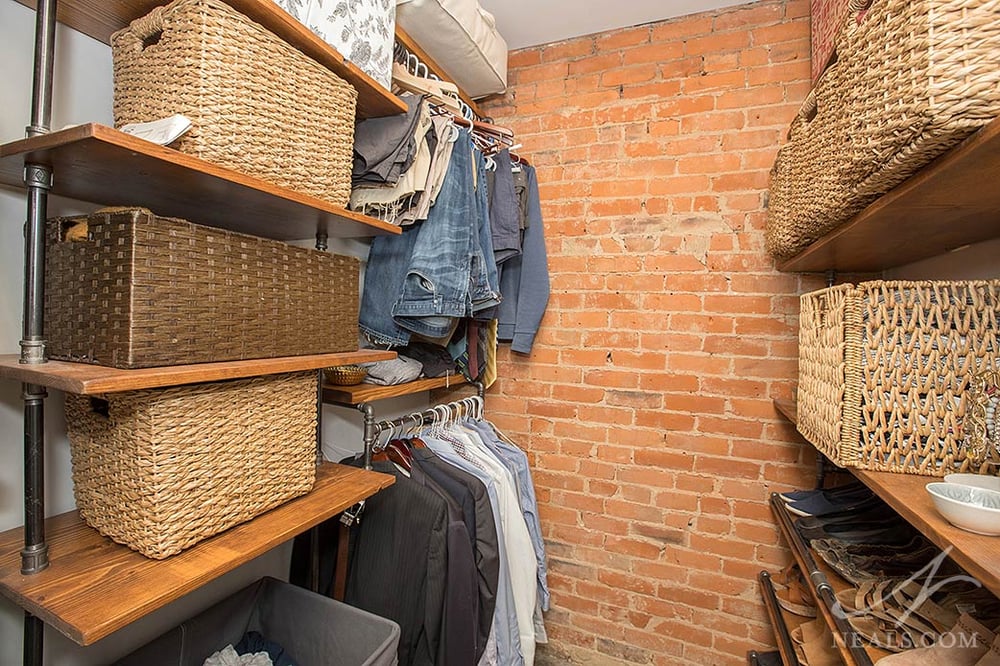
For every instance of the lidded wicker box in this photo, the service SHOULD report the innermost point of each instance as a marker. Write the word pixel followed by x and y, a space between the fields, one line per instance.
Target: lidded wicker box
pixel 137 290
pixel 160 469
pixel 885 370
pixel 257 104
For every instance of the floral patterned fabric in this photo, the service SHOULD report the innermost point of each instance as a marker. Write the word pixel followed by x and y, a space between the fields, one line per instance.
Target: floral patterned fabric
pixel 363 31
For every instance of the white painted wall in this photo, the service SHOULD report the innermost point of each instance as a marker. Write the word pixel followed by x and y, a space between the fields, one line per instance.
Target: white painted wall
pixel 83 93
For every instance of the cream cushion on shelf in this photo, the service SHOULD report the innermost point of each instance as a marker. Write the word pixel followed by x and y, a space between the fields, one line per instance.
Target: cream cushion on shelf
pixel 461 37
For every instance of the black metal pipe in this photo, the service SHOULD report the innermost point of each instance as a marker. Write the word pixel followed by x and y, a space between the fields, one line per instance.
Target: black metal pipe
pixel 33 634
pixel 35 554
pixel 45 43
pixel 38 180
pixel 369 432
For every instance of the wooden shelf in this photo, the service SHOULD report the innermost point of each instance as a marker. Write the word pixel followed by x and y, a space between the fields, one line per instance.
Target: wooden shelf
pixel 359 393
pixel 787 409
pixel 94 586
pixel 86 379
pixel 906 494
pixel 978 555
pixel 101 165
pixel 100 18
pixel 949 204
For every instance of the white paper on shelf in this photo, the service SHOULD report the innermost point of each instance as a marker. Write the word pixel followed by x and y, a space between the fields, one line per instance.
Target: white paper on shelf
pixel 162 132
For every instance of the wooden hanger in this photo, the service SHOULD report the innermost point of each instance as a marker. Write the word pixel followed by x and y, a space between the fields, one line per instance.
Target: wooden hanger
pixel 441 93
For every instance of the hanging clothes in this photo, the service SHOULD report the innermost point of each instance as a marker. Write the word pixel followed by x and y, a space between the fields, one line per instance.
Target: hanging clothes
pixel 524 279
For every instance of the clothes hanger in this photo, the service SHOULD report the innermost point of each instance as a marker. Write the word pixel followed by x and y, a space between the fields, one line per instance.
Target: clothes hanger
pixel 441 93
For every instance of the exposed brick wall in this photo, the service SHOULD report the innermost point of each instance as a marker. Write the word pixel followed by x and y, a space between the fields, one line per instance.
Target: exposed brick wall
pixel 646 404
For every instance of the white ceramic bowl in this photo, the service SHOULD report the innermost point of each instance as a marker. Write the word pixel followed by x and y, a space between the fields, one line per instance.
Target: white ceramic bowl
pixel 973 509
pixel 977 480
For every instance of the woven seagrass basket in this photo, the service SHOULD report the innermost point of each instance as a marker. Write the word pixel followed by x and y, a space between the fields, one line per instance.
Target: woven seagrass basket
pixel 922 76
pixel 137 290
pixel 810 183
pixel 885 370
pixel 910 80
pixel 257 105
pixel 159 470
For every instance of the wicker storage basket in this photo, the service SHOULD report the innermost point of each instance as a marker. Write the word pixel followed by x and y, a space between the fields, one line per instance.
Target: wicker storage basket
pixel 911 79
pixel 922 76
pixel 810 190
pixel 139 290
pixel 884 368
pixel 159 470
pixel 257 105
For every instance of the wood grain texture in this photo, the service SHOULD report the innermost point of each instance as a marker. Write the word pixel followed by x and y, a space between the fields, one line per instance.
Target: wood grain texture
pixel 788 409
pixel 101 165
pixel 86 379
pixel 359 393
pixel 951 203
pixel 906 493
pixel 100 18
pixel 94 587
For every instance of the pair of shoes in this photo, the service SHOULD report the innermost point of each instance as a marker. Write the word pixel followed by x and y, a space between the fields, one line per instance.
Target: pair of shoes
pixel 824 502
pixel 880 623
pixel 795 495
pixel 884 533
pixel 792 592
pixel 967 643
pixel 879 512
pixel 814 644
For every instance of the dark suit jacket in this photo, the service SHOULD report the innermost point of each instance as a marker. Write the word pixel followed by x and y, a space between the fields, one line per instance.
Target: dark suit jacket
pixel 487 547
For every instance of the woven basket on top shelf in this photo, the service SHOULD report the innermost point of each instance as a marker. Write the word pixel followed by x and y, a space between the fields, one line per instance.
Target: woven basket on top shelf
pixel 885 370
pixel 910 79
pixel 160 469
pixel 257 105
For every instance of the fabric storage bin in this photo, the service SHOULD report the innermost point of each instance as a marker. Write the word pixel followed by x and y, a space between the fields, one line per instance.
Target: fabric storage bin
pixel 363 31
pixel 257 105
pixel 313 630
pixel 463 38
pixel 885 368
pixel 922 75
pixel 158 470
pixel 137 290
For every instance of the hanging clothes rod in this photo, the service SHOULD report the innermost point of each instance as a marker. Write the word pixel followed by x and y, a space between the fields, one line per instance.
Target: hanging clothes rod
pixel 373 430
pixel 415 66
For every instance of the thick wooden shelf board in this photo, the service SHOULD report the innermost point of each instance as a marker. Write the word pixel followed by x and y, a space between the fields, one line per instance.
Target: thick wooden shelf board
pixel 94 586
pixel 101 165
pixel 100 18
pixel 359 393
pixel 906 493
pixel 949 204
pixel 86 379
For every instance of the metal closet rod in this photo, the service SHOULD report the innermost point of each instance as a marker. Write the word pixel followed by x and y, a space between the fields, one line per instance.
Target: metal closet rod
pixel 373 430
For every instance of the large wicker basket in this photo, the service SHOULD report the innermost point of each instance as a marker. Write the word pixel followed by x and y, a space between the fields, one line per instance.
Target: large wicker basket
pixel 159 470
pixel 923 75
pixel 885 367
pixel 910 79
pixel 257 105
pixel 137 290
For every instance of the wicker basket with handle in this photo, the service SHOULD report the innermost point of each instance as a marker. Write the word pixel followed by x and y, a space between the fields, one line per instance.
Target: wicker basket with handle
pixel 257 105
pixel 137 290
pixel 885 369
pixel 160 469
pixel 922 76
